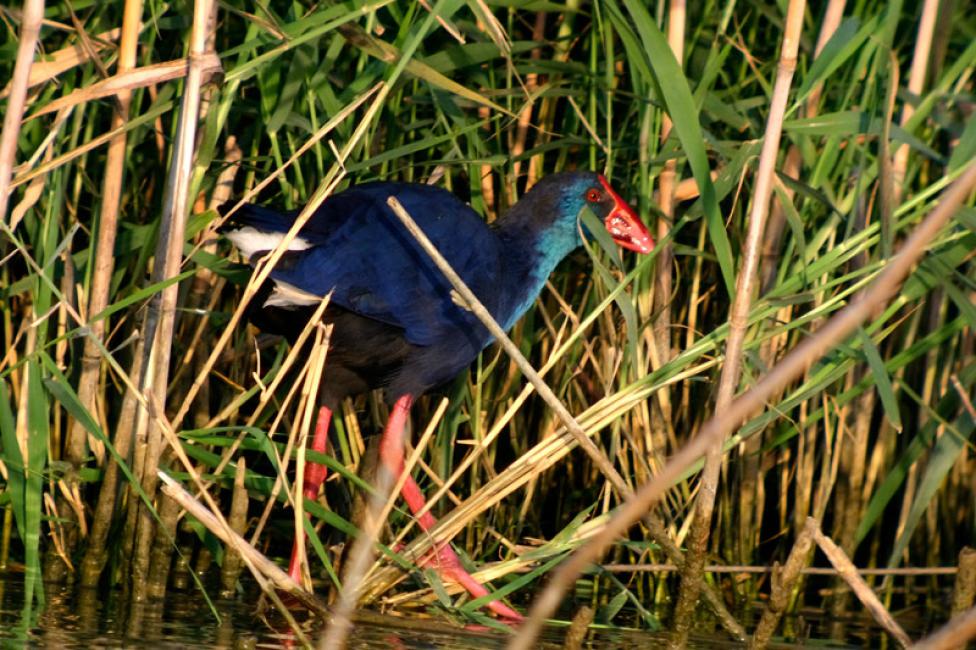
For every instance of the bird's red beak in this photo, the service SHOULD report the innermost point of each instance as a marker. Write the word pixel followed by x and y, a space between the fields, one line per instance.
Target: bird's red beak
pixel 624 225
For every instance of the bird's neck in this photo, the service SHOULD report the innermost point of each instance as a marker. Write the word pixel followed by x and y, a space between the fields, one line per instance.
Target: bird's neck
pixel 529 257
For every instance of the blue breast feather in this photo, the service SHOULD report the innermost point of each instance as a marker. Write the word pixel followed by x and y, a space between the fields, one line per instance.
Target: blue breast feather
pixel 359 248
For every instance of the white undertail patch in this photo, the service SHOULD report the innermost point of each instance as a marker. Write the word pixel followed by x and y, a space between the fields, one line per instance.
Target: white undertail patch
pixel 249 240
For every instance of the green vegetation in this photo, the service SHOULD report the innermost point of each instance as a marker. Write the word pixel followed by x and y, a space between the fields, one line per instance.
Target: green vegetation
pixel 484 97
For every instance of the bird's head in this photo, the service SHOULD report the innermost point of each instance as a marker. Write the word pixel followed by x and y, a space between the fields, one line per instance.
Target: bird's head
pixel 560 198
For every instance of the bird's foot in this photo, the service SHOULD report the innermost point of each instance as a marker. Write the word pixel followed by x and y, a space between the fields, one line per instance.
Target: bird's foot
pixel 448 566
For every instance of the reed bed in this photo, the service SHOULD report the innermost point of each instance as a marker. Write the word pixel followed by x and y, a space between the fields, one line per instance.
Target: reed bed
pixel 785 152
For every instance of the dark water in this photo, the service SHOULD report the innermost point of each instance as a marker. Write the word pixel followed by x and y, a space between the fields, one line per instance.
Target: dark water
pixel 81 620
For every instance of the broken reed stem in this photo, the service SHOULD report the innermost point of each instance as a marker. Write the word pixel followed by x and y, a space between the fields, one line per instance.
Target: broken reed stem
pixel 98 299
pixel 848 572
pixel 268 574
pixel 964 591
pixel 691 575
pixel 161 316
pixel 782 585
pixel 230 569
pixel 838 328
pixel 30 30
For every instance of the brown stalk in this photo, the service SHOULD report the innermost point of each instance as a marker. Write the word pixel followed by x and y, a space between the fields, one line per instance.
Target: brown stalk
pixel 860 588
pixel 98 298
pixel 230 570
pixel 207 63
pixel 161 316
pixel 269 575
pixel 916 82
pixel 782 584
pixel 749 451
pixel 838 328
pixel 770 351
pixel 964 591
pixel 691 575
pixel 309 396
pixel 953 635
pixel 531 83
pixel 30 29
pixel 814 571
pixel 677 13
pixel 64 59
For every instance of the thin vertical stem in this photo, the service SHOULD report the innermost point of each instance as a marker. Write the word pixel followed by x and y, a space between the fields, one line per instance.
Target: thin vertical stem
pixel 916 82
pixel 691 575
pixel 98 299
pixel 162 312
pixel 30 29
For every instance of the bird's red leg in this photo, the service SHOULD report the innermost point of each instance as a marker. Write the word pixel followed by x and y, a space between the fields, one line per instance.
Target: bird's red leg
pixel 448 563
pixel 315 474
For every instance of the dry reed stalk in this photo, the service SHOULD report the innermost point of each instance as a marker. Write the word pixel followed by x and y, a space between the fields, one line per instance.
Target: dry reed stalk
pixel 205 64
pixel 161 315
pixel 230 570
pixel 26 175
pixel 813 571
pixel 964 590
pixel 663 282
pixel 848 572
pixel 381 503
pixel 30 29
pixel 309 398
pixel 269 576
pixel 98 299
pixel 691 575
pixel 916 82
pixel 953 635
pixel 851 497
pixel 783 582
pixel 770 350
pixel 66 58
pixel 162 545
pixel 838 328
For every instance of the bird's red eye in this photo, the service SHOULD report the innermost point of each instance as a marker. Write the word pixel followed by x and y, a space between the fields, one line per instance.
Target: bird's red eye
pixel 593 195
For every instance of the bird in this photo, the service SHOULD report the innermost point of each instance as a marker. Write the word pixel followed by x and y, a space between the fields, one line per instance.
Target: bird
pixel 396 322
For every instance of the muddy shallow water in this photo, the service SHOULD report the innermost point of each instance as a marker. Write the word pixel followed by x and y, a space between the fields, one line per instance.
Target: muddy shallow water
pixel 88 619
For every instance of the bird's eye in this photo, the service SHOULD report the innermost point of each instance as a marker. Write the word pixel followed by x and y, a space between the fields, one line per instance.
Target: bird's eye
pixel 593 195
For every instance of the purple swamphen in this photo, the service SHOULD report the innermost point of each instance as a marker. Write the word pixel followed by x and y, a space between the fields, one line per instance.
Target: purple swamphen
pixel 396 325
